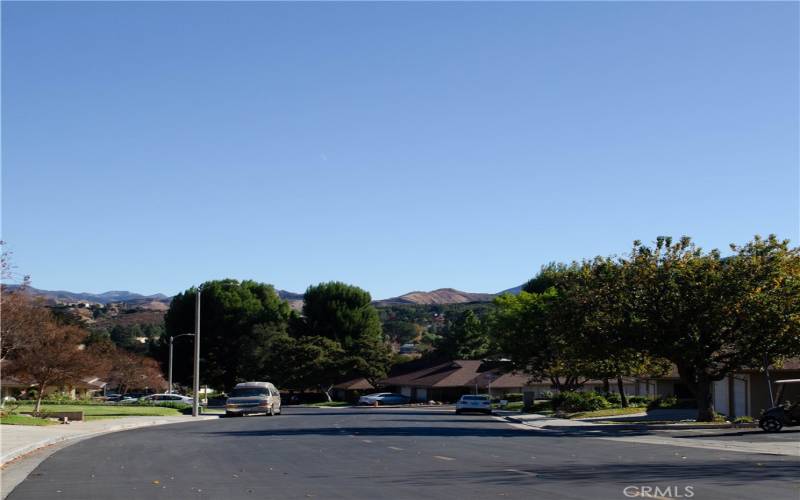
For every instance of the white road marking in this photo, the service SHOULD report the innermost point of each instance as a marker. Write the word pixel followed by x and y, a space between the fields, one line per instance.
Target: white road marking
pixel 523 472
pixel 366 441
pixel 443 458
pixel 395 448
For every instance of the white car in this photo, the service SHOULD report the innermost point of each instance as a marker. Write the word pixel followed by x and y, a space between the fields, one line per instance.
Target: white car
pixel 158 399
pixel 478 403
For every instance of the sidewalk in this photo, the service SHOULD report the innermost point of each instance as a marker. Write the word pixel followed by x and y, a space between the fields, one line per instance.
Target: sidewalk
pixel 682 435
pixel 19 440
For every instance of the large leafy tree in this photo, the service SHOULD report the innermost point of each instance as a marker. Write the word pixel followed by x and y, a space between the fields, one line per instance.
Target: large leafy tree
pixel 527 328
pixel 344 315
pixel 53 355
pixel 594 300
pixel 710 315
pixel 238 320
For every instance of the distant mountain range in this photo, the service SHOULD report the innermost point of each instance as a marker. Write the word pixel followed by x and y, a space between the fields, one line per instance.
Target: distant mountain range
pixel 63 296
pixel 161 301
pixel 440 296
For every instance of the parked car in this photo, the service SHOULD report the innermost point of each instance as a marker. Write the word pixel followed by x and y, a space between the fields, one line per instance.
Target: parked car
pixel 253 397
pixel 116 399
pixel 166 398
pixel 384 398
pixel 477 403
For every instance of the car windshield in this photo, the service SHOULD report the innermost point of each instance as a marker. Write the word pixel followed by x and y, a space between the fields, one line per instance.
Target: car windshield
pixel 246 392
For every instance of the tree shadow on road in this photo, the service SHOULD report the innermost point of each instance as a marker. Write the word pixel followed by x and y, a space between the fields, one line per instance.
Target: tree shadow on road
pixel 730 472
pixel 497 429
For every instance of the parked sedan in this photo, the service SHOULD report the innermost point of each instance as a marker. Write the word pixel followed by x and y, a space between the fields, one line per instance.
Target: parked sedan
pixel 159 399
pixel 384 398
pixel 478 403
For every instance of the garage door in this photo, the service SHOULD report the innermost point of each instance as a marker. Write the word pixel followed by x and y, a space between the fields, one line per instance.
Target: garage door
pixel 721 397
pixel 740 395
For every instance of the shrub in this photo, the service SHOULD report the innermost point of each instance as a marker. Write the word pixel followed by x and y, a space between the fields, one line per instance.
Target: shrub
pixel 547 395
pixel 70 402
pixel 613 398
pixel 570 401
pixel 639 400
pixel 671 402
pixel 513 397
pixel 743 420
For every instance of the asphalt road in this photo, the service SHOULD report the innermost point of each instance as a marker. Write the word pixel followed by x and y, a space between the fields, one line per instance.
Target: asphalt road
pixel 394 454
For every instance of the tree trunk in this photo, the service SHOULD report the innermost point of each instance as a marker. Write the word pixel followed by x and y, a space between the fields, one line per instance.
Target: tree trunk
pixel 705 401
pixel 39 397
pixel 621 387
pixel 328 393
pixel 606 386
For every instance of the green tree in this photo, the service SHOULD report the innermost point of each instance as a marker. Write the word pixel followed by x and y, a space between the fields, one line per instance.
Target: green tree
pixel 526 328
pixel 237 321
pixel 594 297
pixel 344 315
pixel 465 338
pixel 712 316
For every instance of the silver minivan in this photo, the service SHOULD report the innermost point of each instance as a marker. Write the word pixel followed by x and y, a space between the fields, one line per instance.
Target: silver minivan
pixel 253 397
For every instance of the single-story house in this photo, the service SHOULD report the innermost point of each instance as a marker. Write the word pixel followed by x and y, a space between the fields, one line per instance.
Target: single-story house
pixel 351 390
pixel 15 387
pixel 539 389
pixel 744 393
pixel 448 380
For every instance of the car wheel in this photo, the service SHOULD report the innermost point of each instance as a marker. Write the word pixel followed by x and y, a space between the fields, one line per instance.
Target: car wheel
pixel 771 424
pixel 229 414
pixel 271 412
pixel 458 412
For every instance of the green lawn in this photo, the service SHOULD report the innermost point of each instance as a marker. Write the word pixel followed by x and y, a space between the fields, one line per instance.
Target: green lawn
pixel 24 420
pixel 94 412
pixel 330 403
pixel 610 412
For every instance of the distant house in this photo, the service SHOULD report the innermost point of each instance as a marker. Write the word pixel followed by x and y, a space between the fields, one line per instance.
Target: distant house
pixel 447 381
pixel 744 393
pixel 351 390
pixel 11 386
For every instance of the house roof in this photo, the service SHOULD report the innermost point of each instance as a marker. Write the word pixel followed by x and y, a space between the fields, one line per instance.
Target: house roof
pixel 356 384
pixel 448 374
pixel 459 373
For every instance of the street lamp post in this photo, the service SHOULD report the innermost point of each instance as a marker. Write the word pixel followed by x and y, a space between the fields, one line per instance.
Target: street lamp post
pixel 171 339
pixel 196 379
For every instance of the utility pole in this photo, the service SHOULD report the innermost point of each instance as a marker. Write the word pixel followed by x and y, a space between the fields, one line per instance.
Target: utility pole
pixel 196 379
pixel 171 339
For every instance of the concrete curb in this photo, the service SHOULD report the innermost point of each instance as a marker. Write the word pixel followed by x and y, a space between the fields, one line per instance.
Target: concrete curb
pixel 30 448
pixel 632 426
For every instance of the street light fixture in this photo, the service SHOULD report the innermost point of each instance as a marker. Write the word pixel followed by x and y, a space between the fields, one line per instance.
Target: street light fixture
pixel 171 339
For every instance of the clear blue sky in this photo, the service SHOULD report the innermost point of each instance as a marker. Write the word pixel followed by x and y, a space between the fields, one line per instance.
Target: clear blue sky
pixel 151 146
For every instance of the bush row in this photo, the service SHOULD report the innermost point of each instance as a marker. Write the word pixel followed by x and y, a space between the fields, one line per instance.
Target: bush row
pixel 574 401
